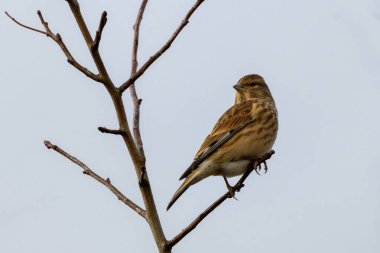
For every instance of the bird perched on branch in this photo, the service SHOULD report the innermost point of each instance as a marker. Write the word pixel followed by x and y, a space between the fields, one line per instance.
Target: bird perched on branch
pixel 245 132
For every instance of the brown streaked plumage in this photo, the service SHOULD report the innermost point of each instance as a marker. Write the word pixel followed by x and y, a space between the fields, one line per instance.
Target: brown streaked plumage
pixel 243 133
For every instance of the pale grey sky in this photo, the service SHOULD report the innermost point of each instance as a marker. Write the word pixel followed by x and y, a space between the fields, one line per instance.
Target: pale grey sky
pixel 321 60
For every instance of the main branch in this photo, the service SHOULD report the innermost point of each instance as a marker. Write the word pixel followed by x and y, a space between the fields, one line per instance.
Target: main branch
pixel 137 159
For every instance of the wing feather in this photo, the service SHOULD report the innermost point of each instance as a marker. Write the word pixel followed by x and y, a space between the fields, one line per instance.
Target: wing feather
pixel 230 123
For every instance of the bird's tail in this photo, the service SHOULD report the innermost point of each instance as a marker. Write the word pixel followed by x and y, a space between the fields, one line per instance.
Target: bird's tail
pixel 185 185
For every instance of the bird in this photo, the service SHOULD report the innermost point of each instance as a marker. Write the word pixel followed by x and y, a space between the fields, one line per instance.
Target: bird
pixel 245 132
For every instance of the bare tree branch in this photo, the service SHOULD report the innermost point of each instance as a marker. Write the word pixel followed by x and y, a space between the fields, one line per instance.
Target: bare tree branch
pixel 137 159
pixel 240 184
pixel 106 182
pixel 110 131
pixel 75 9
pixel 165 47
pixel 58 39
pixel 25 26
pixel 136 36
pixel 98 36
pixel 134 145
pixel 136 100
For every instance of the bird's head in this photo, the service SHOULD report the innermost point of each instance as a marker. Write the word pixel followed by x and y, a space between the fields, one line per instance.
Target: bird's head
pixel 251 86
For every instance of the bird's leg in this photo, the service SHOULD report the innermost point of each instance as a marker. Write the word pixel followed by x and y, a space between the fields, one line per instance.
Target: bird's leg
pixel 230 189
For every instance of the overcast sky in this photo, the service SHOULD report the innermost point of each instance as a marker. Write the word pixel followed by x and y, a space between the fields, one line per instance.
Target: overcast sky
pixel 321 60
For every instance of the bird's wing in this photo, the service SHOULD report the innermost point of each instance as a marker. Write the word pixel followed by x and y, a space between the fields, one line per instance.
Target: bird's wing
pixel 230 123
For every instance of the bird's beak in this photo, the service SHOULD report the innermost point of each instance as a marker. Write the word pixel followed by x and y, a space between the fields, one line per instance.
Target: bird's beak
pixel 237 87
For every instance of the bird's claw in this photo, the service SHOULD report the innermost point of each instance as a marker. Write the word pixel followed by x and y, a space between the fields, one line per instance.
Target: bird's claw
pixel 265 167
pixel 258 168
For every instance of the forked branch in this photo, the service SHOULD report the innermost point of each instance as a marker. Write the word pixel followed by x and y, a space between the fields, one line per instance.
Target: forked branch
pixel 240 184
pixel 163 49
pixel 75 9
pixel 106 182
pixel 58 39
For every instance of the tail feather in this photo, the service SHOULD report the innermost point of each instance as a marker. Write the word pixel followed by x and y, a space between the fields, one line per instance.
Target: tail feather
pixel 186 184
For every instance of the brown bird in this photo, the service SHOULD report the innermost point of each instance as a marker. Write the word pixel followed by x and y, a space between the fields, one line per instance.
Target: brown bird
pixel 245 132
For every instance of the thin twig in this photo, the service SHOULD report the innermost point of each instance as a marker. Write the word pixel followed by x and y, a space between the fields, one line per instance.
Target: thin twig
pixel 136 35
pixel 165 47
pixel 135 98
pixel 111 131
pixel 240 184
pixel 106 182
pixel 58 39
pixel 98 36
pixel 25 26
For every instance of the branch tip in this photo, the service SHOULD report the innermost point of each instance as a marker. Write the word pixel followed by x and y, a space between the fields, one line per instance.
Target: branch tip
pixel 111 131
pixel 25 26
pixel 49 145
pixel 98 35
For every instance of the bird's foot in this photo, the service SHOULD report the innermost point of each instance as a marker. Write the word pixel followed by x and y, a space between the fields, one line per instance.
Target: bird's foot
pixel 258 168
pixel 230 189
